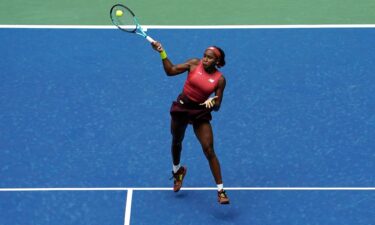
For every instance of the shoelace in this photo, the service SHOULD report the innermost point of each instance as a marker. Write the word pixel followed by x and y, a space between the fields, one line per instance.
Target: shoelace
pixel 177 176
pixel 223 194
pixel 173 174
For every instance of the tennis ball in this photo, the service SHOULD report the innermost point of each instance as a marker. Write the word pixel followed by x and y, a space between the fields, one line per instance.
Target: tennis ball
pixel 119 13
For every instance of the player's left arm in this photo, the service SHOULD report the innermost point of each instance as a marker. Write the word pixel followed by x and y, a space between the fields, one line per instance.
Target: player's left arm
pixel 219 92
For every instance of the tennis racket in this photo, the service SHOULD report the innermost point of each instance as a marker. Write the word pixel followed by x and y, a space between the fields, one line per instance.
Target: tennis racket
pixel 125 20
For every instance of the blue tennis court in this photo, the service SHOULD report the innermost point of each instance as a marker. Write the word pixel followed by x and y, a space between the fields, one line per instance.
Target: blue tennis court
pixel 84 121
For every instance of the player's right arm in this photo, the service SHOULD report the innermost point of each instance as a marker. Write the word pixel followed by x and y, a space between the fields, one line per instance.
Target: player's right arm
pixel 171 69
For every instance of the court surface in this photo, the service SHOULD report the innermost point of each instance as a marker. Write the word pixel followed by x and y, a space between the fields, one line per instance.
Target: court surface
pixel 84 125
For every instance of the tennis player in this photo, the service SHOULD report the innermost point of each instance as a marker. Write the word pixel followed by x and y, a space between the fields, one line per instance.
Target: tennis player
pixel 193 106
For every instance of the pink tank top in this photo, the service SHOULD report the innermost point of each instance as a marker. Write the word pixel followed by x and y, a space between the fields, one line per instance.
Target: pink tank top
pixel 199 84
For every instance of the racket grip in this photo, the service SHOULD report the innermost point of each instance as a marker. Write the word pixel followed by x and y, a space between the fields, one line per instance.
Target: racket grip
pixel 150 39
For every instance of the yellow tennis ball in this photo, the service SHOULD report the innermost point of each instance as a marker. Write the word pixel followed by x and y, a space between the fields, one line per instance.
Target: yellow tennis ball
pixel 119 13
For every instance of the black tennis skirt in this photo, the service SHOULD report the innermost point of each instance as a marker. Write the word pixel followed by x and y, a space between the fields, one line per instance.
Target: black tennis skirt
pixel 184 109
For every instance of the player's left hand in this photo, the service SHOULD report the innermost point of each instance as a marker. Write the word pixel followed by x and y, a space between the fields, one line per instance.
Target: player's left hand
pixel 210 102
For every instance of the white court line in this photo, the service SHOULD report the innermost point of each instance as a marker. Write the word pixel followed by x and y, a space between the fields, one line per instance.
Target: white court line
pixel 128 206
pixel 296 26
pixel 191 189
pixel 130 191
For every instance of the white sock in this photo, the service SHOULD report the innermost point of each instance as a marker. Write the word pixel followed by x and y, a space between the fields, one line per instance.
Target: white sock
pixel 176 168
pixel 220 187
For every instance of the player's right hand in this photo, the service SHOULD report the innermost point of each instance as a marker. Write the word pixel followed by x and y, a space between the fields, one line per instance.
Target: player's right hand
pixel 157 46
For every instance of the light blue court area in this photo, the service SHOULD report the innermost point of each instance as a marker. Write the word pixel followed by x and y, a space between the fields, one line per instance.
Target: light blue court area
pixel 88 108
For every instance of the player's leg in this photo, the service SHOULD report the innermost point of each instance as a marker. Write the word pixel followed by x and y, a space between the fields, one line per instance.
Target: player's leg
pixel 203 131
pixel 178 128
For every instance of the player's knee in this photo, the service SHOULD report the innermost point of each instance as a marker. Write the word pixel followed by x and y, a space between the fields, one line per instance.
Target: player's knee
pixel 209 153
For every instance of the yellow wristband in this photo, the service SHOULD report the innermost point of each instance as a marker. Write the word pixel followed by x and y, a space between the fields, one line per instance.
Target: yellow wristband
pixel 163 55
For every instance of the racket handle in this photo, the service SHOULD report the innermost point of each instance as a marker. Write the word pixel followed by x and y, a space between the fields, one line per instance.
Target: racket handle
pixel 150 39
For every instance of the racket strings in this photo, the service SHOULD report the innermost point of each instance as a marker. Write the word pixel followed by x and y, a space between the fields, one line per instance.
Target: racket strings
pixel 124 19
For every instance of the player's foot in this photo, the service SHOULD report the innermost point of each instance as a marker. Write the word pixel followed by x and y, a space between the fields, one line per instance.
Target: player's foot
pixel 178 177
pixel 222 197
